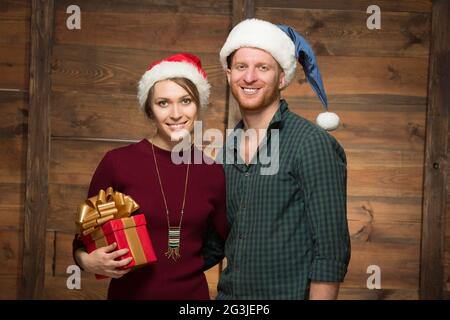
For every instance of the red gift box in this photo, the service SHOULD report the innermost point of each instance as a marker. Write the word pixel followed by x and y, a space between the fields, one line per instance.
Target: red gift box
pixel 130 233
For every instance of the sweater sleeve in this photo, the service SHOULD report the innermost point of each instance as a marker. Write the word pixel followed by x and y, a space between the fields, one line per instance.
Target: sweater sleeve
pixel 217 227
pixel 102 179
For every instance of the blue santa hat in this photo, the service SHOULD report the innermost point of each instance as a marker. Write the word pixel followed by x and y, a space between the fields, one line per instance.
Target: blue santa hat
pixel 287 47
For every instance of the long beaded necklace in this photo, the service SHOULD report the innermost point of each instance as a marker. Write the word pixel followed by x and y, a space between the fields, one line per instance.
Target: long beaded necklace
pixel 173 251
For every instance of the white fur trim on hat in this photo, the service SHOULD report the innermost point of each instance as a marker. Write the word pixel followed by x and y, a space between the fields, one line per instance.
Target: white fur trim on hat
pixel 255 33
pixel 171 69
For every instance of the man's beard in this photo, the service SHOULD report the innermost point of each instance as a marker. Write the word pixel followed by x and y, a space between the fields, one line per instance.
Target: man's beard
pixel 255 104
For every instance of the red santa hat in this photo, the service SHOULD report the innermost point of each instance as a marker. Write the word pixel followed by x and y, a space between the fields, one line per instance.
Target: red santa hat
pixel 181 65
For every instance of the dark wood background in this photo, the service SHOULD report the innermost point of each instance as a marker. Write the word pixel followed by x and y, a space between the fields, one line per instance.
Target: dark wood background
pixel 376 80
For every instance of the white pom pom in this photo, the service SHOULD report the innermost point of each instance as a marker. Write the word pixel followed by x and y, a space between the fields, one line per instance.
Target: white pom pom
pixel 328 121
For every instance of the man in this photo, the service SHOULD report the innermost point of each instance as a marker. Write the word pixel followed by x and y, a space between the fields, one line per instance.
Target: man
pixel 289 236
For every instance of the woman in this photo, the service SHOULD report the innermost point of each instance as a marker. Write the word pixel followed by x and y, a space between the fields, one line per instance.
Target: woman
pixel 186 199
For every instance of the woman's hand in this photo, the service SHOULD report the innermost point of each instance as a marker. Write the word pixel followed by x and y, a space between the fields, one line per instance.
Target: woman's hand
pixel 102 261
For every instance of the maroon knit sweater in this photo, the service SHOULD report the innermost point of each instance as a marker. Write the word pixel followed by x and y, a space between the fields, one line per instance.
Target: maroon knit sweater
pixel 131 170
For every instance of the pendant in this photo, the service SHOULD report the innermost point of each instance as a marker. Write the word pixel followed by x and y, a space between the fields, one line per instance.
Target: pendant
pixel 173 251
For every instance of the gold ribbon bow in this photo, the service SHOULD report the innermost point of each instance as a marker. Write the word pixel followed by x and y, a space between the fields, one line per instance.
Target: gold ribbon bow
pixel 107 205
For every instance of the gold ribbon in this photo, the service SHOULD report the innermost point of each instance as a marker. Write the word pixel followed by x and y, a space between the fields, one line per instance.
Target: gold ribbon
pixel 107 205
pixel 134 242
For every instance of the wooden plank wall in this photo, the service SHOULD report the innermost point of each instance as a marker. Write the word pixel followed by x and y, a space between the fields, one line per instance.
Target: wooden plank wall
pixel 14 71
pixel 95 72
pixel 38 150
pixel 446 249
pixel 376 81
pixel 435 187
pixel 447 233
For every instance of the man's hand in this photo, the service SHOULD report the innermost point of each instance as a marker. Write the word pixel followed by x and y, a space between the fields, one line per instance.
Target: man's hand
pixel 323 290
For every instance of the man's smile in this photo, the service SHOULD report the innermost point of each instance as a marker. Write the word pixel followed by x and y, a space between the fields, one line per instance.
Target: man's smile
pixel 250 91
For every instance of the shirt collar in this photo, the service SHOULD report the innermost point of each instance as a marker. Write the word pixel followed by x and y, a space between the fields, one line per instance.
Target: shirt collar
pixel 279 116
pixel 277 120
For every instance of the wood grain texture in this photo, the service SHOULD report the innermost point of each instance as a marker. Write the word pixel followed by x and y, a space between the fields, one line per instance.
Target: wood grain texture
pixel 14 106
pixel 369 227
pixel 384 209
pixel 399 264
pixel 379 181
pixel 345 33
pixel 58 258
pixel 14 40
pixel 397 131
pixel 98 115
pixel 436 156
pixel 13 131
pixel 372 231
pixel 91 288
pixel 118 70
pixel 14 66
pixel 150 30
pixel 366 75
pixel 36 202
pixel 10 257
pixel 13 135
pixel 12 163
pixel 13 139
pixel 13 8
pixel 10 253
pixel 64 200
pixel 148 6
pixel 114 116
pixel 367 101
pixel 358 5
pixel 242 10
pixel 12 205
pixel 384 145
pixel 381 294
pixel 9 285
pixel 15 21
pixel 447 253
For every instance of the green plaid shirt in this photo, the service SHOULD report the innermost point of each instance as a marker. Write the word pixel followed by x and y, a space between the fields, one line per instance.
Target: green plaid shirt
pixel 290 227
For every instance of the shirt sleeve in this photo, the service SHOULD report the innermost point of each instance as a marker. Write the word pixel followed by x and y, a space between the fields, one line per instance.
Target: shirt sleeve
pixel 323 170
pixel 217 226
pixel 102 179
